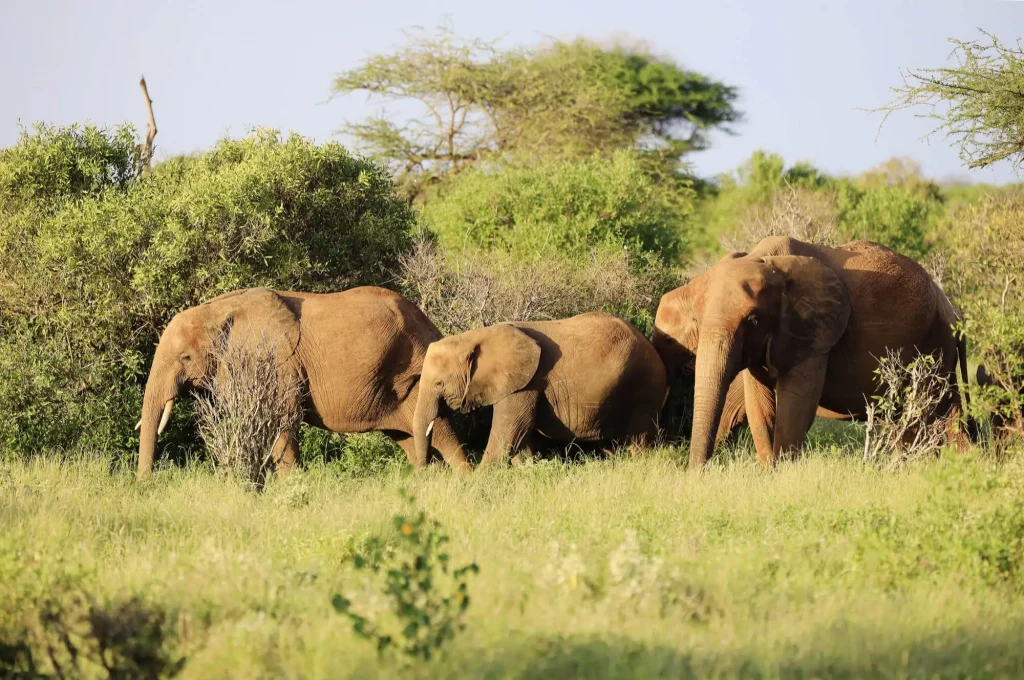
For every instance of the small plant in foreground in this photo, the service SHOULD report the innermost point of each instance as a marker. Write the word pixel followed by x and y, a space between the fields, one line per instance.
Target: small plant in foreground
pixel 425 599
pixel 900 425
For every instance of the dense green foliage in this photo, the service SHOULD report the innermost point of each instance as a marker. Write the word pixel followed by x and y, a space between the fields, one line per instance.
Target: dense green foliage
pixel 892 204
pixel 985 280
pixel 563 207
pixel 475 102
pixel 93 263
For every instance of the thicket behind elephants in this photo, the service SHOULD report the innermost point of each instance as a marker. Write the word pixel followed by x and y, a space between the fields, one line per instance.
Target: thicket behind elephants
pixel 95 259
pixel 539 208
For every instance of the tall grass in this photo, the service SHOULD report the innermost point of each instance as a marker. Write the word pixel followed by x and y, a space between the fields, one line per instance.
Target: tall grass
pixel 632 567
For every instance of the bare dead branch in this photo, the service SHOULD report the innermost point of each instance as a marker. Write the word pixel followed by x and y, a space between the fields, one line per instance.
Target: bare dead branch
pixel 146 153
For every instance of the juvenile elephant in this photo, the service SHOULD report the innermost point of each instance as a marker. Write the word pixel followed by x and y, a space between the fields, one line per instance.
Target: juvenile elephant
pixel 806 326
pixel 358 353
pixel 592 377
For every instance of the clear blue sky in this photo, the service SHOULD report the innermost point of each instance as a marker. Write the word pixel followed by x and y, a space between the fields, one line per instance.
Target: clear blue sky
pixel 216 68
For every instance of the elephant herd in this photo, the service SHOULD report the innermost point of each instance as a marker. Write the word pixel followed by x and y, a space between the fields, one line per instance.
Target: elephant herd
pixel 775 336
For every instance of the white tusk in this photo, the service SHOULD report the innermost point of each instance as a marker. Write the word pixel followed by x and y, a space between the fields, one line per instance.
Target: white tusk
pixel 166 416
pixel 430 427
pixel 138 424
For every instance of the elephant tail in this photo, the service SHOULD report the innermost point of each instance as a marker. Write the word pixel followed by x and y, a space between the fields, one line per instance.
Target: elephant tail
pixel 961 350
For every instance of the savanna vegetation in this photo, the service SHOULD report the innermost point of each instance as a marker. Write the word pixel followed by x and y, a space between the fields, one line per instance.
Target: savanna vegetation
pixel 529 183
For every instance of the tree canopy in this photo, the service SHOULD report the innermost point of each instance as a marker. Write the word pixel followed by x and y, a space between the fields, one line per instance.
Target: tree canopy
pixel 476 102
pixel 979 103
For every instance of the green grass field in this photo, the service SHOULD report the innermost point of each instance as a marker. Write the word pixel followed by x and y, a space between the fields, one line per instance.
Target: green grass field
pixel 634 567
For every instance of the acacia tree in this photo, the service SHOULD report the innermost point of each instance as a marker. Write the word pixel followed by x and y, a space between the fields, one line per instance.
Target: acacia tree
pixel 476 102
pixel 979 103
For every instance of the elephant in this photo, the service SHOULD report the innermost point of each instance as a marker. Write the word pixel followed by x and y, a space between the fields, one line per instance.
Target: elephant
pixel 805 325
pixel 357 354
pixel 1002 423
pixel 592 377
pixel 734 412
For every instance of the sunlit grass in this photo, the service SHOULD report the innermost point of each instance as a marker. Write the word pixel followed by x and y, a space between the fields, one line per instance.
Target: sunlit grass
pixel 823 567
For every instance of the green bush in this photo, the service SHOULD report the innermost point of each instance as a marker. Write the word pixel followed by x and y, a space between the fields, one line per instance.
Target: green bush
pixel 539 208
pixel 893 205
pixel 727 206
pixel 93 262
pixel 350 455
pixel 894 216
pixel 987 241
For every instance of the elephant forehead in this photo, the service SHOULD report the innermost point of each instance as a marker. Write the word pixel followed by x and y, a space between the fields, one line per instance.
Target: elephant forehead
pixel 745 272
pixel 441 354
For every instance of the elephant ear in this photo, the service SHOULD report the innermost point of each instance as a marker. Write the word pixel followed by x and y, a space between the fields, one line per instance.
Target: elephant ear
pixel 815 308
pixel 503 360
pixel 255 315
pixel 678 318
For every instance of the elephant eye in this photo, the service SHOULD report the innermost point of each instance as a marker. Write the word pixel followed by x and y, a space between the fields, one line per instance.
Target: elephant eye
pixel 185 358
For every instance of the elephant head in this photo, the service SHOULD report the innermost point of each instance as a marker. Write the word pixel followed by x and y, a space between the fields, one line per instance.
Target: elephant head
pixel 186 354
pixel 474 369
pixel 765 314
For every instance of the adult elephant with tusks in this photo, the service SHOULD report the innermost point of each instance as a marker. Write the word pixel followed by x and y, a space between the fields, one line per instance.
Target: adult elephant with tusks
pixel 805 326
pixel 357 353
pixel 592 378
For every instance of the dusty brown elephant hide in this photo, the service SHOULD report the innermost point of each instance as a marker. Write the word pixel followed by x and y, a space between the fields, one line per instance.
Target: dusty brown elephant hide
pixel 804 327
pixel 358 354
pixel 592 377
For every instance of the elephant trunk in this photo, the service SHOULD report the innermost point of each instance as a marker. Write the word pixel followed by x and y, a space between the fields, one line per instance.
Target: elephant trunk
pixel 717 365
pixel 161 391
pixel 427 404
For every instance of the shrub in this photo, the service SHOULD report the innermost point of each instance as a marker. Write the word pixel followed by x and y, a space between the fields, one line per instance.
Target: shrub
pixel 537 209
pixel 247 406
pixel 749 189
pixel 986 281
pixel 94 263
pixel 424 599
pixel 893 205
pixel 71 635
pixel 801 213
pixel 351 455
pixel 894 216
pixel 898 427
pixel 460 291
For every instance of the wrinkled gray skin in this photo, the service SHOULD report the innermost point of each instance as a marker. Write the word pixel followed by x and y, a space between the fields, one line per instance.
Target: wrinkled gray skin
pixel 804 326
pixel 592 377
pixel 358 353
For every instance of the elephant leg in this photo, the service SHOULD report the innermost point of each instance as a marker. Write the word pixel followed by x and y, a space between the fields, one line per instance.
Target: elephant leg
pixel 407 444
pixel 447 443
pixel 512 422
pixel 759 400
pixel 285 453
pixel 797 394
pixel 645 439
